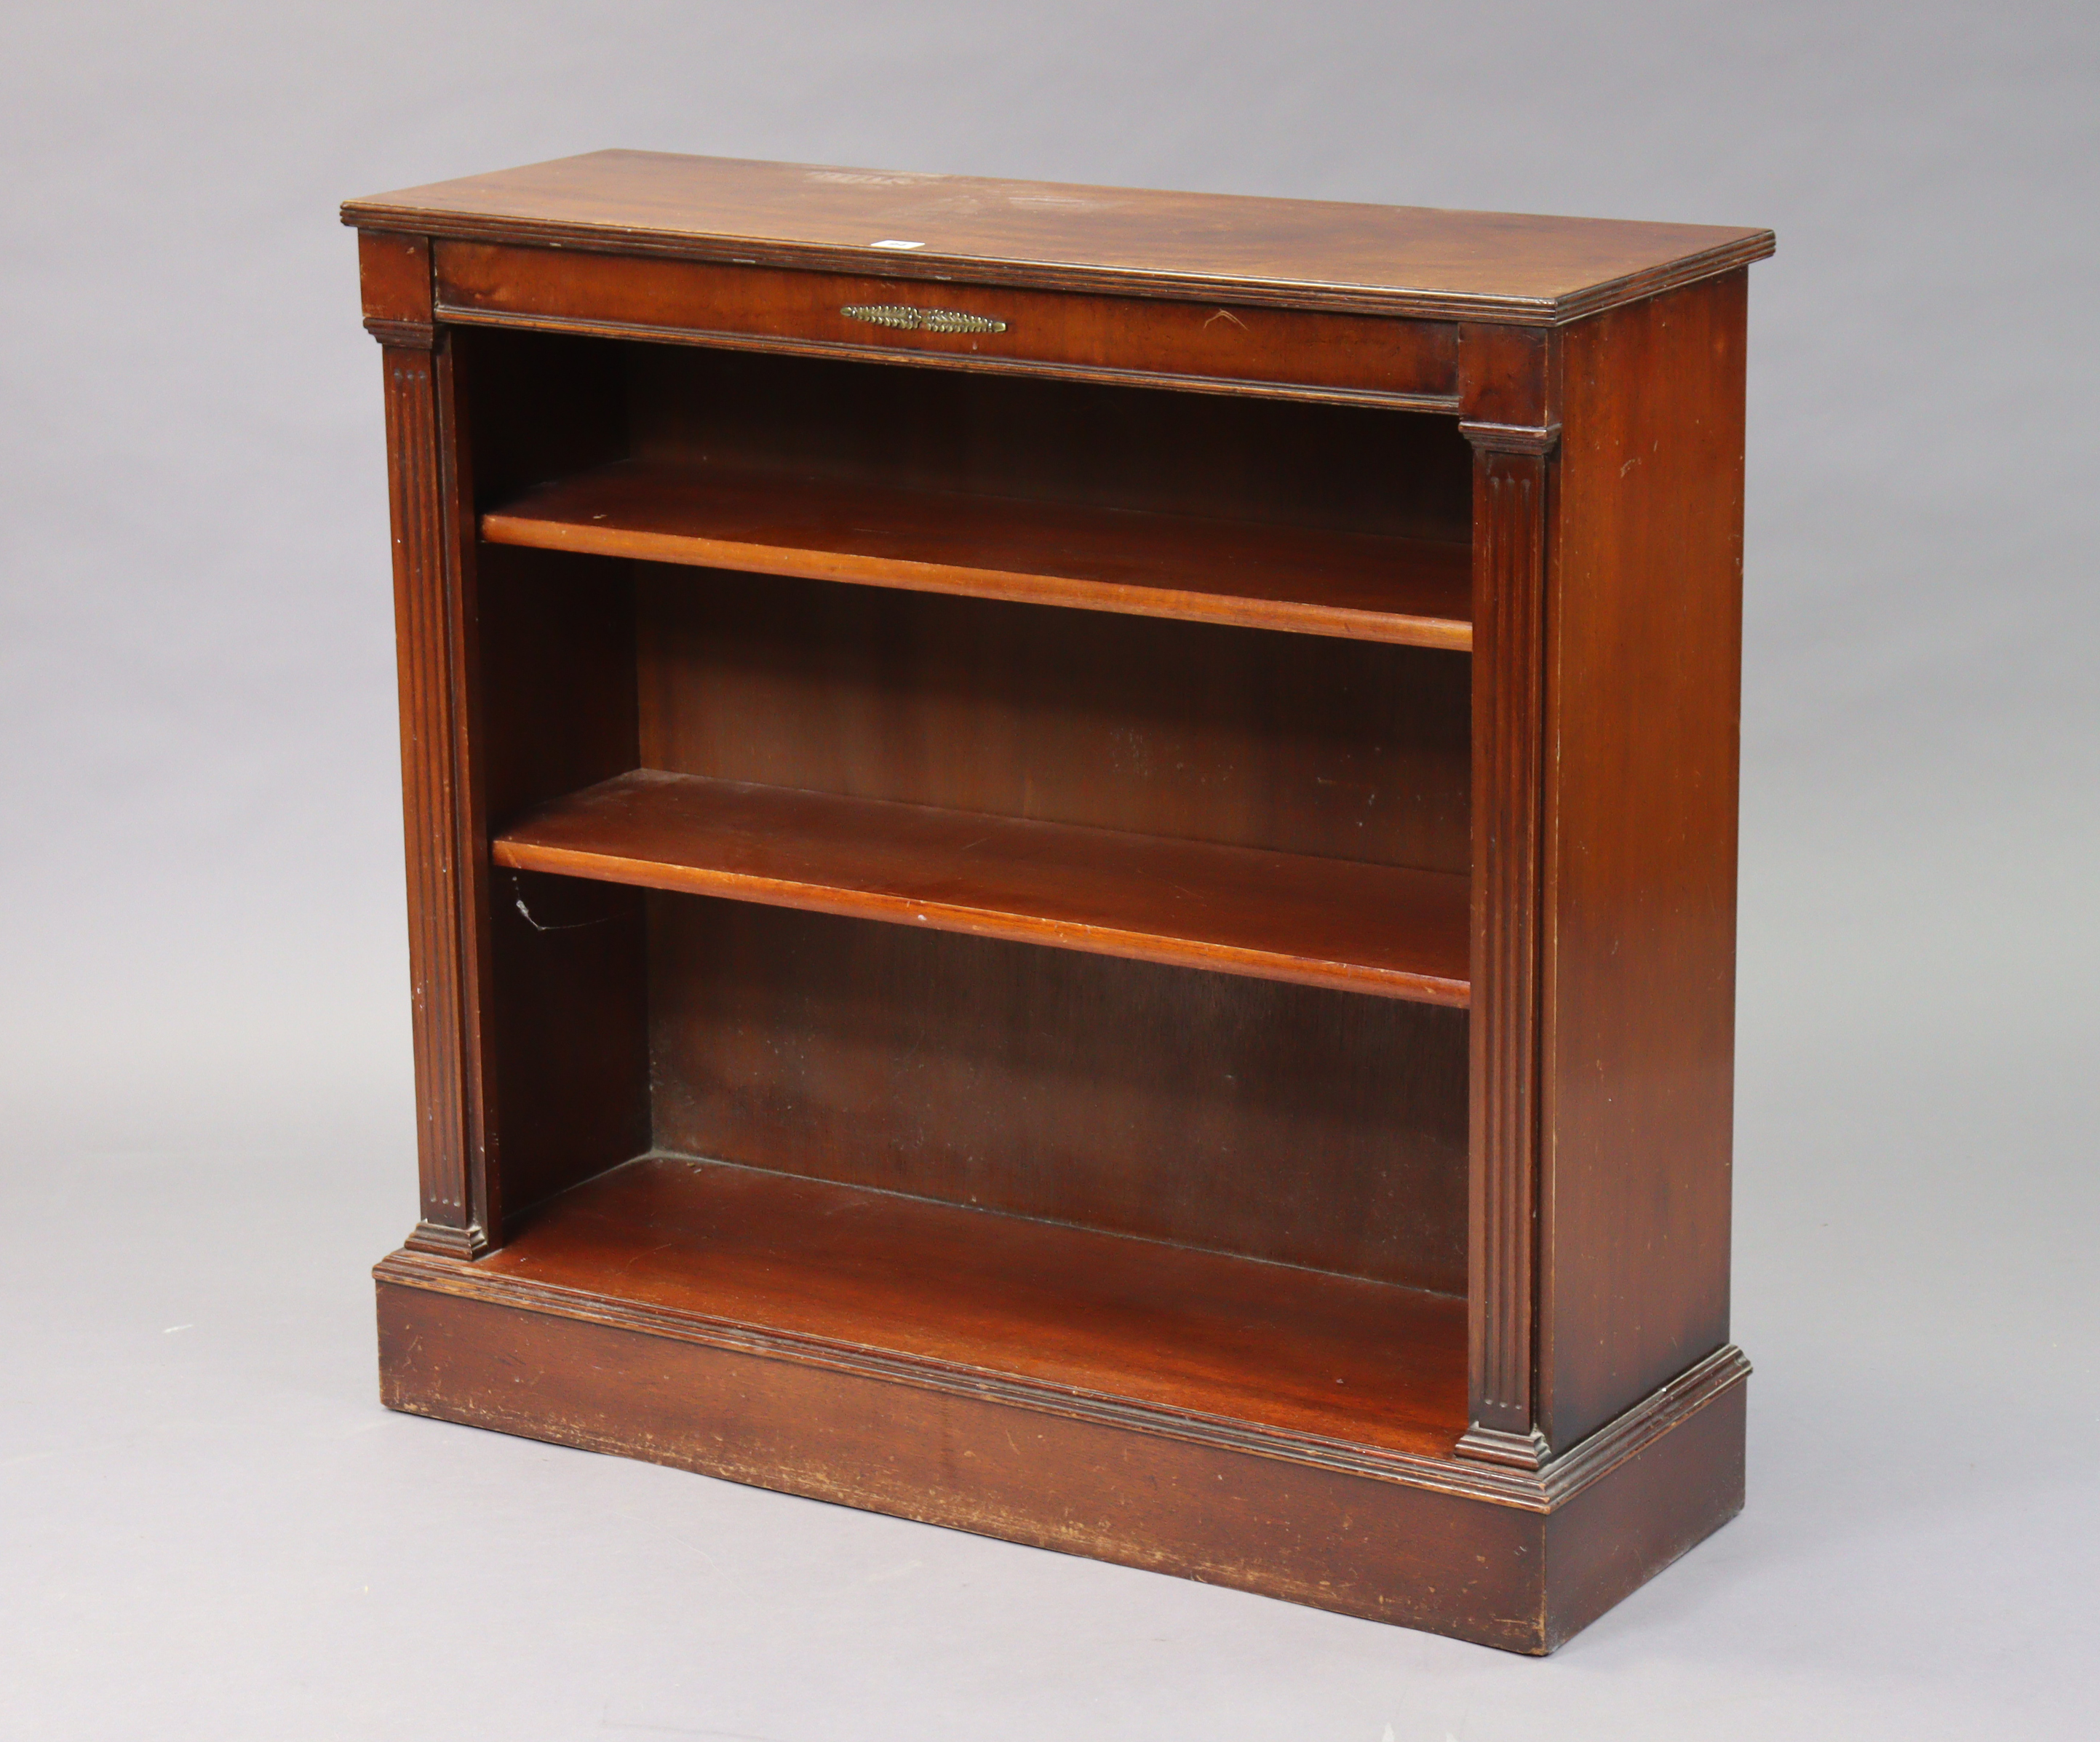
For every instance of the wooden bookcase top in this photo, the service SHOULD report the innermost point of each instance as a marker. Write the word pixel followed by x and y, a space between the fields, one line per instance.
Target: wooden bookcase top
pixel 1303 253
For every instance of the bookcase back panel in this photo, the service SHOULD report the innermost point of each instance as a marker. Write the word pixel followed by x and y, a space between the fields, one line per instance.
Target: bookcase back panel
pixel 538 406
pixel 1343 468
pixel 1306 1127
pixel 1347 750
pixel 557 658
pixel 542 405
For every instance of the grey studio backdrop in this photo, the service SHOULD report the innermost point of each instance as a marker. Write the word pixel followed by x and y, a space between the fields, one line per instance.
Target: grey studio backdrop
pixel 209 1528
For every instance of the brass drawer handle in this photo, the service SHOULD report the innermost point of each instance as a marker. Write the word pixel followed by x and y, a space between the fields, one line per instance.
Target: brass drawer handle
pixel 909 320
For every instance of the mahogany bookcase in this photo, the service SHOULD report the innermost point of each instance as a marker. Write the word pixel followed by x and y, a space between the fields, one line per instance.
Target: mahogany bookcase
pixel 1071 861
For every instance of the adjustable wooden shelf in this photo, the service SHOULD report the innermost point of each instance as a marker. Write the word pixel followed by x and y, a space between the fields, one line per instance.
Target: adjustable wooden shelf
pixel 1071 861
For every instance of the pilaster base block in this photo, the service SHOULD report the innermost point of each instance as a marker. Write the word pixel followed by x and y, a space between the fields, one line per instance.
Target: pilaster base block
pixel 465 1244
pixel 1497 1445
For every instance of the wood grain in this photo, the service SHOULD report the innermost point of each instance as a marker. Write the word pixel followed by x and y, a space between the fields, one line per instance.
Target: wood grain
pixel 1616 1534
pixel 1483 1554
pixel 1299 743
pixel 394 279
pixel 1302 254
pixel 1384 929
pixel 1073 1478
pixel 1349 585
pixel 828 748
pixel 1510 519
pixel 1233 459
pixel 1284 1122
pixel 1638 1035
pixel 567 999
pixel 436 683
pixel 1191 346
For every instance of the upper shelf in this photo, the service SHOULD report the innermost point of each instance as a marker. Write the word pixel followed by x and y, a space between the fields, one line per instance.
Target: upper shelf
pixel 1335 923
pixel 1359 586
pixel 1296 254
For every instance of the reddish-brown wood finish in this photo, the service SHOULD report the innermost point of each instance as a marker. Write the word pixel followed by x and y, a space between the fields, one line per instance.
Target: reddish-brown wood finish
pixel 1346 584
pixel 394 275
pixel 1199 345
pixel 1377 929
pixel 980 985
pixel 1301 744
pixel 1320 1129
pixel 565 1022
pixel 1247 460
pixel 1495 1558
pixel 1510 517
pixel 1297 253
pixel 1056 1308
pixel 1638 988
pixel 444 855
pixel 1505 378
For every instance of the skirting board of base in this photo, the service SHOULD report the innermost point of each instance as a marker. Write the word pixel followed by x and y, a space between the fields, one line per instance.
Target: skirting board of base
pixel 1515 1559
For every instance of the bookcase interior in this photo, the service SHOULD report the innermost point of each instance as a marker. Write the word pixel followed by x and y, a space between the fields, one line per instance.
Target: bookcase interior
pixel 1128 1134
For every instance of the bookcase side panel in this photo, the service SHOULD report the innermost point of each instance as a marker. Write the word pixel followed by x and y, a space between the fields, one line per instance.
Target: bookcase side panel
pixel 567 1025
pixel 1643 651
pixel 564 1038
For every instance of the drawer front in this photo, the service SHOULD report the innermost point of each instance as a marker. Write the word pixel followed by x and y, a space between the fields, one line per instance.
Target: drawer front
pixel 1359 358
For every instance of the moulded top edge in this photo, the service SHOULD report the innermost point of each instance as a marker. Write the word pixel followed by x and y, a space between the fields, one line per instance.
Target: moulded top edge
pixel 1414 261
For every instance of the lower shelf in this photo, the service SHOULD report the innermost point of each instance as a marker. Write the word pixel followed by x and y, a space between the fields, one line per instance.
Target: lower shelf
pixel 1026 1307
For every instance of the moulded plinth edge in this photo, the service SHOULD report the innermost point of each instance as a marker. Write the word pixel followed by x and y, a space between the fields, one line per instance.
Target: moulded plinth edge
pixel 1384 1543
pixel 1546 1489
